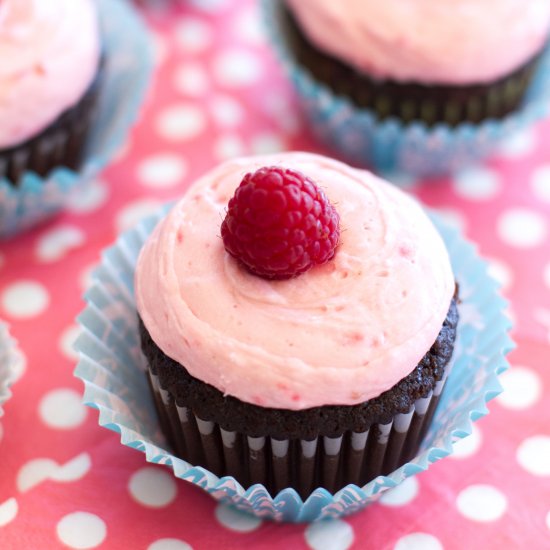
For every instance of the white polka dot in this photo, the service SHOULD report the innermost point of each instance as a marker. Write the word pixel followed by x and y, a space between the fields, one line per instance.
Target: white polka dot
pixel 67 340
pixel 134 212
pixel 522 388
pixel 467 446
pixel 191 79
pixel 334 534
pixel 193 34
pixel 418 541
pixel 404 493
pixel 235 520
pixel 226 111
pixel 540 183
pixel 25 299
pixel 73 470
pixel 228 146
pixel 235 68
pixel 62 409
pixel 162 170
pixel 20 366
pixel 34 472
pixel 54 244
pixel 160 48
pixel 169 544
pixel 519 145
pixel 533 455
pixel 85 278
pixel 263 144
pixel 521 228
pixel 481 503
pixel 209 6
pixel 477 183
pixel 546 275
pixel 181 122
pixel 8 511
pixel 548 519
pixel 81 530
pixel 501 272
pixel 152 487
pixel 247 26
pixel 88 198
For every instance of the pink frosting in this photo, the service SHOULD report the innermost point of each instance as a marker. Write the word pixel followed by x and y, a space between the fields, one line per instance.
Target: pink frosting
pixel 429 41
pixel 341 333
pixel 49 52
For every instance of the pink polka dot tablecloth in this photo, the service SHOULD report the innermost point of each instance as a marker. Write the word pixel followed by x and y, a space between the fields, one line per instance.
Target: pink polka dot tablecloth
pixel 218 92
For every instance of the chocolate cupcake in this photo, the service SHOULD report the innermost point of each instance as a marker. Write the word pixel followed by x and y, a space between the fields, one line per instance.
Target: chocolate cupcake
pixel 424 87
pixel 437 62
pixel 308 346
pixel 50 79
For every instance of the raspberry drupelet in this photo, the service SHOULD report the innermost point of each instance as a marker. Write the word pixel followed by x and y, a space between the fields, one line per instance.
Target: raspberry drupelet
pixel 279 224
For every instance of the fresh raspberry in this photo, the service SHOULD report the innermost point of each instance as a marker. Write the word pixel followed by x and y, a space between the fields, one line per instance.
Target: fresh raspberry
pixel 279 224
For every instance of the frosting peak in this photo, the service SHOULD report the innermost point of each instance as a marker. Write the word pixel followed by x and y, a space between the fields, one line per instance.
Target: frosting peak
pixel 342 333
pixel 50 52
pixel 428 41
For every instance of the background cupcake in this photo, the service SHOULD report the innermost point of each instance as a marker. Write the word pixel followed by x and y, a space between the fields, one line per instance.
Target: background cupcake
pixel 49 83
pixel 73 77
pixel 415 85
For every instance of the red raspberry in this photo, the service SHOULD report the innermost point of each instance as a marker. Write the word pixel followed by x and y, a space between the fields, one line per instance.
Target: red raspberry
pixel 279 224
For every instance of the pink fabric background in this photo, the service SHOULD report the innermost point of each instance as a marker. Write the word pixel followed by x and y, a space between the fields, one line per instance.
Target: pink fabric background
pixel 218 92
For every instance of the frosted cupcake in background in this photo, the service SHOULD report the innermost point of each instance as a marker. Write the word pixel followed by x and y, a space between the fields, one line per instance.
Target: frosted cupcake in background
pixel 420 85
pixel 73 74
pixel 312 350
pixel 49 83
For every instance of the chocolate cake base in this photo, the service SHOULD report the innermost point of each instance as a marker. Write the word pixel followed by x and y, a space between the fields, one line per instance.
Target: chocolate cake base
pixel 408 101
pixel 327 447
pixel 62 143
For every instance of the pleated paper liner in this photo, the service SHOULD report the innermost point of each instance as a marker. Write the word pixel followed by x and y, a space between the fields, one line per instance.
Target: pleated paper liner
pixel 44 186
pixel 327 462
pixel 419 130
pixel 10 363
pixel 115 376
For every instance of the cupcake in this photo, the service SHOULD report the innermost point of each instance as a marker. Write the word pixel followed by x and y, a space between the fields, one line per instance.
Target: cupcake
pixel 413 85
pixel 49 84
pixel 72 79
pixel 307 346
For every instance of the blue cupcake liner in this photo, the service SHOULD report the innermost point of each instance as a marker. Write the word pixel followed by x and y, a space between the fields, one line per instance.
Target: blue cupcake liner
pixel 114 374
pixel 10 361
pixel 126 73
pixel 391 145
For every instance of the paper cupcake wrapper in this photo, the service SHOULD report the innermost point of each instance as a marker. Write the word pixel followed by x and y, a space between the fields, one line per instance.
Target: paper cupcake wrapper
pixel 126 73
pixel 303 464
pixel 10 360
pixel 114 374
pixel 391 145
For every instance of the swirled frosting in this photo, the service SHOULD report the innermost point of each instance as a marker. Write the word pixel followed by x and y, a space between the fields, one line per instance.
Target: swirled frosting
pixel 49 53
pixel 342 333
pixel 428 41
